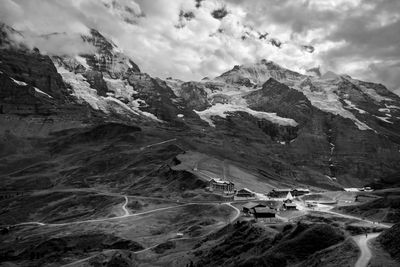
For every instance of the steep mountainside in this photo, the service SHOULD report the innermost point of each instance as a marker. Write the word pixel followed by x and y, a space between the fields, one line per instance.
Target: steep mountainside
pixel 330 131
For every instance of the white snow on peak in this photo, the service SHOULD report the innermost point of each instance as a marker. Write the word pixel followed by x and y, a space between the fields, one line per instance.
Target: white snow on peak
pixel 222 110
pixel 370 91
pixel 81 88
pixel 175 86
pixel 37 90
pixel 82 91
pixel 327 100
pixel 82 61
pixel 258 73
pixel 374 95
pixel 19 82
pixel 121 88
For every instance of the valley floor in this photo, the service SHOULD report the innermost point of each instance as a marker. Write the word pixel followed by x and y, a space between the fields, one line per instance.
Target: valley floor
pixel 166 222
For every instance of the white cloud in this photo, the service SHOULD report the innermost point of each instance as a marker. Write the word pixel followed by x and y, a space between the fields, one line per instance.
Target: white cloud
pixel 340 30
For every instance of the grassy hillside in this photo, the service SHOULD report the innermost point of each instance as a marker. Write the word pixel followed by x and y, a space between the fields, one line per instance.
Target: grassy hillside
pixel 384 209
pixel 247 244
pixel 390 240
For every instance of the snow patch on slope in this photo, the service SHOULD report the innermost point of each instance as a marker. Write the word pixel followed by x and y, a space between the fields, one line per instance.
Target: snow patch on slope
pixel 121 88
pixel 370 92
pixel 327 100
pixel 222 110
pixel 37 90
pixel 83 91
pixel 385 119
pixel 19 82
pixel 352 106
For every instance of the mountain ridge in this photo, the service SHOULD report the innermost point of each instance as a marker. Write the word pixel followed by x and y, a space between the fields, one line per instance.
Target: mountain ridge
pixel 311 125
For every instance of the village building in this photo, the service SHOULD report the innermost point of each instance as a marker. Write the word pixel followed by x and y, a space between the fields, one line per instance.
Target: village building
pixel 300 191
pixel 281 194
pixel 248 208
pixel 245 193
pixel 260 213
pixel 221 186
pixel 290 206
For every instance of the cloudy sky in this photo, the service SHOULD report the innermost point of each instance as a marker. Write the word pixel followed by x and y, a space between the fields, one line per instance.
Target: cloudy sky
pixel 191 39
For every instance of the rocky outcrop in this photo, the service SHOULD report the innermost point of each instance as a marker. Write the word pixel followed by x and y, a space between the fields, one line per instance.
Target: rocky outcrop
pixel 35 70
pixel 96 81
pixel 194 95
pixel 108 59
pixel 22 99
pixel 277 97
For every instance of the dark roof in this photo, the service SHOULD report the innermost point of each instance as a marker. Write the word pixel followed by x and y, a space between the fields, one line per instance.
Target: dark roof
pixel 302 189
pixel 263 210
pixel 251 205
pixel 245 190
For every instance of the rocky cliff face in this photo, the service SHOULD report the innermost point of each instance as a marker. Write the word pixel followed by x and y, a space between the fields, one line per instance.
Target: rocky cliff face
pixel 327 131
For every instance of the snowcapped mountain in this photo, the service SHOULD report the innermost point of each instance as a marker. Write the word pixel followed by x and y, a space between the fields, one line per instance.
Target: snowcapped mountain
pixel 331 93
pixel 324 130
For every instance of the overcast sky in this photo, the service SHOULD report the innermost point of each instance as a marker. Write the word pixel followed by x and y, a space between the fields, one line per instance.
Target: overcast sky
pixel 186 39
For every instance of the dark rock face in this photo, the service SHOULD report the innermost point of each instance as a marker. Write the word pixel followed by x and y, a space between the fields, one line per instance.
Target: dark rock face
pixel 328 143
pixel 34 69
pixel 108 59
pixel 95 79
pixel 22 99
pixel 194 96
pixel 322 144
pixel 286 102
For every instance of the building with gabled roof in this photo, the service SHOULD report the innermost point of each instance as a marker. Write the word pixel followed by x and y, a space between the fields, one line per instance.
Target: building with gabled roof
pixel 281 194
pixel 245 193
pixel 249 207
pixel 264 213
pixel 300 191
pixel 290 206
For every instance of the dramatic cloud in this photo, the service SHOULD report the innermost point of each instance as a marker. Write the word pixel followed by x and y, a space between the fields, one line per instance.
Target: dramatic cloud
pixel 190 39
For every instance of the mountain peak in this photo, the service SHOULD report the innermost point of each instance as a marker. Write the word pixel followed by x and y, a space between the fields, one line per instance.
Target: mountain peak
pixel 330 75
pixel 258 73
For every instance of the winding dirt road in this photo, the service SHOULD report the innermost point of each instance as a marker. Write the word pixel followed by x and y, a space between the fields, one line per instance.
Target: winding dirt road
pixel 362 242
pixel 126 211
pixel 82 261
